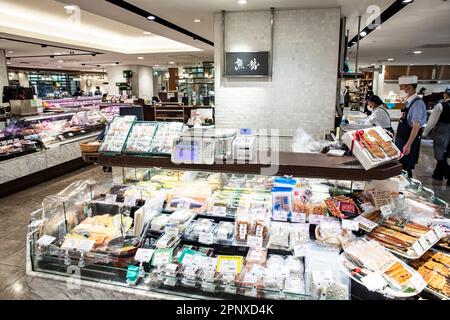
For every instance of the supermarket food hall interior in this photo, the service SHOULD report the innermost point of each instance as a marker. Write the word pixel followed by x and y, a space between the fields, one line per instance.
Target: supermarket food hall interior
pixel 137 142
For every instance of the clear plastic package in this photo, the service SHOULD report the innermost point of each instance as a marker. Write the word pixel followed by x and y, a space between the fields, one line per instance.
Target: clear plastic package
pixel 224 233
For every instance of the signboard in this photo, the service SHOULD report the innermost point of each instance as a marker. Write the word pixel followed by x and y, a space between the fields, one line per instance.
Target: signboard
pixel 247 64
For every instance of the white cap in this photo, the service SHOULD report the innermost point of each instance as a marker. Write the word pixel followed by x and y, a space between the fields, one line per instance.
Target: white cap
pixel 448 90
pixel 408 80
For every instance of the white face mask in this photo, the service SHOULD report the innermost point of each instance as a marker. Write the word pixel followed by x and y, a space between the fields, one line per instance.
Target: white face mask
pixel 369 108
pixel 403 94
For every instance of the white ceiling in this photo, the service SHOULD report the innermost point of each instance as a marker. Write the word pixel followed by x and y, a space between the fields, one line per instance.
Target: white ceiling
pixel 423 22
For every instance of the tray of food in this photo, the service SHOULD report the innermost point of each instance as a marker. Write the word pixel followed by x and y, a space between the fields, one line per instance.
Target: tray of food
pixel 370 264
pixel 434 267
pixel 404 238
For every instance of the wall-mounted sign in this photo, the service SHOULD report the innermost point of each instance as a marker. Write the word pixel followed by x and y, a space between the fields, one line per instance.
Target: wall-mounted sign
pixel 123 85
pixel 247 64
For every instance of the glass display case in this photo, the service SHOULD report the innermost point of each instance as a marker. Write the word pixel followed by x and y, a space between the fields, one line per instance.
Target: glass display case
pixel 235 235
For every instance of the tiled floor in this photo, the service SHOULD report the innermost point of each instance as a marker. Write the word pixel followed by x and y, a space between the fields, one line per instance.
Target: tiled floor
pixel 14 215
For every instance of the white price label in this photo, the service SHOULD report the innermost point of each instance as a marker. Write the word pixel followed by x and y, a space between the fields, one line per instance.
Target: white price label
pixel 322 276
pixel 70 134
pixel 70 244
pixel 85 245
pixel 162 257
pixel 188 259
pixel 280 215
pixel 230 289
pixel 184 204
pixel 130 201
pixel 366 224
pixel 359 185
pixel 386 210
pixel 219 211
pixel 315 218
pixel 431 236
pixel 417 248
pixel 45 240
pixel 254 242
pixel 300 250
pixel 144 255
pixel 229 266
pixel 298 217
pixel 439 232
pixel 351 225
pixel 205 238
pixel 111 197
pixel 423 242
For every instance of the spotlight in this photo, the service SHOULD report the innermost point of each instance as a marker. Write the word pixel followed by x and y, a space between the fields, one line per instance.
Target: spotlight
pixel 52 57
pixel 93 54
pixel 407 1
pixel 151 18
pixel 43 45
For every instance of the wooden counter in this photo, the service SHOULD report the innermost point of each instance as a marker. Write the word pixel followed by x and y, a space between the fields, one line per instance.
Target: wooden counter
pixel 295 164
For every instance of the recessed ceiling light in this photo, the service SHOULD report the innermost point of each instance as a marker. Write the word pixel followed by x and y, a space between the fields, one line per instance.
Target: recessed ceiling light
pixel 57 53
pixel 391 59
pixel 59 66
pixel 156 65
pixel 151 18
pixel 10 51
pixel 242 1
pixel 140 58
pixel 196 20
pixel 60 61
pixel 363 33
pixel 8 62
pixel 417 52
pixel 147 33
pixel 171 62
pixel 407 1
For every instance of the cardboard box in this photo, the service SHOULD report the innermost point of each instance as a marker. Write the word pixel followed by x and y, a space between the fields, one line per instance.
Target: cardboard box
pixel 352 139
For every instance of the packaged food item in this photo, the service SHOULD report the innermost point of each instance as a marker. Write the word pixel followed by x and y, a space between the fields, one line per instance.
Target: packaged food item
pixel 282 204
pixel 372 147
pixel 167 240
pixel 159 222
pixel 331 234
pixel 199 226
pixel 279 236
pixel 224 233
pixel 256 256
pixel 140 137
pixel 342 207
pixel 242 227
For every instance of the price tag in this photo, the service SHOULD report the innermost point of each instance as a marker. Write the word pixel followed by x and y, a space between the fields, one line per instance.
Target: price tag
pixel 359 185
pixel 366 224
pixel 184 204
pixel 16 140
pixel 418 248
pixel 300 250
pixel 111 197
pixel 83 131
pixel 298 217
pixel 85 245
pixel 130 201
pixel 188 259
pixel 351 225
pixel 254 292
pixel 45 240
pixel 280 215
pixel 2 135
pixel 254 242
pixel 423 242
pixel 61 137
pixel 219 211
pixel 315 218
pixel 70 134
pixel 143 255
pixel 386 210
pixel 439 232
pixel 229 264
pixel 230 289
pixel 322 276
pixel 70 244
pixel 208 286
pixel 162 256
pixel 205 238
pixel 431 236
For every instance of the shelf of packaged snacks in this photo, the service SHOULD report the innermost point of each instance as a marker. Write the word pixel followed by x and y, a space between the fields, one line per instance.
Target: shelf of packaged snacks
pixel 289 163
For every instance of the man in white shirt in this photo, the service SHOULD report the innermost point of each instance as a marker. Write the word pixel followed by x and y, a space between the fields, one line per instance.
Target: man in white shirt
pixel 439 127
pixel 412 122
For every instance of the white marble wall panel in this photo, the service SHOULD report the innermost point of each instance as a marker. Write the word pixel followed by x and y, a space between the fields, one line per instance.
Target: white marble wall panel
pixel 302 91
pixel 62 154
pixel 22 166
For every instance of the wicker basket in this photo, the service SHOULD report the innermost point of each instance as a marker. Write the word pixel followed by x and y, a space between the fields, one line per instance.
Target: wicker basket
pixel 89 147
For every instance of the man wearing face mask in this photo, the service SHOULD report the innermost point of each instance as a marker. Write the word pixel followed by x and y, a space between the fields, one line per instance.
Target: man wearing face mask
pixel 412 122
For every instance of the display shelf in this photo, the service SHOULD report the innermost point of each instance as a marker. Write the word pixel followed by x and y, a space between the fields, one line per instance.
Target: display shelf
pixel 288 163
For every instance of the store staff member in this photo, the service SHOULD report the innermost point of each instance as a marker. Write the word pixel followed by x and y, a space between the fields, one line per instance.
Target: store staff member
pixel 412 122
pixel 439 125
pixel 380 116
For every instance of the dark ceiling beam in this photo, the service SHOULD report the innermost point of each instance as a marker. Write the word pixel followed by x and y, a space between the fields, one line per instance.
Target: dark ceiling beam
pixel 143 13
pixel 54 55
pixel 392 10
pixel 45 45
